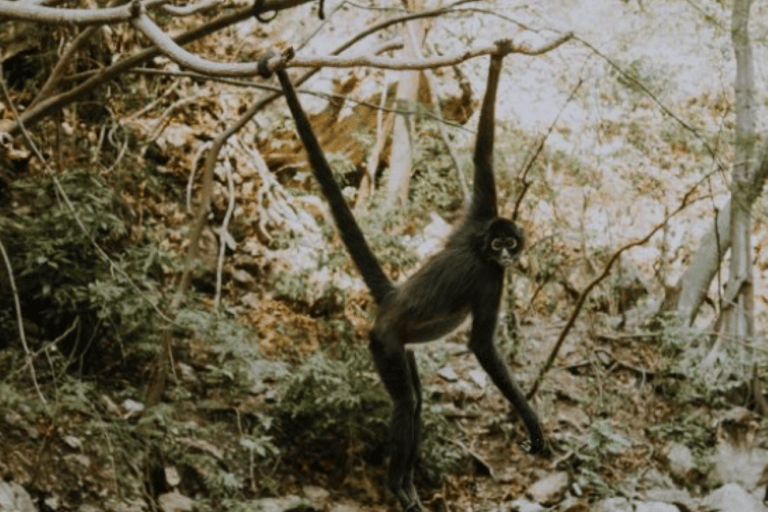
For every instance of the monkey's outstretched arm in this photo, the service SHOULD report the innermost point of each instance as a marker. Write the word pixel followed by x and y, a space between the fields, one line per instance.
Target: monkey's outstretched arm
pixel 481 344
pixel 484 193
pixel 373 275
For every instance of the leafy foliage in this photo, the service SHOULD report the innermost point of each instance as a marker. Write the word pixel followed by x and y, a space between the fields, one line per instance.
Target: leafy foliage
pixel 64 284
pixel 304 286
pixel 693 433
pixel 334 407
pixel 701 367
pixel 589 454
pixel 337 410
pixel 435 183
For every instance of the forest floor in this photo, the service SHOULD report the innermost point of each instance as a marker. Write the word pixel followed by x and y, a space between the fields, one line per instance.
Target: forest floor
pixel 612 411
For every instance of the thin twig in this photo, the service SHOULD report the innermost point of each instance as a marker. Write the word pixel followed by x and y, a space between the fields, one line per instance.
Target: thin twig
pixel 684 203
pixel 272 88
pixel 46 348
pixel 225 238
pixel 20 321
pixel 539 149
pixel 57 73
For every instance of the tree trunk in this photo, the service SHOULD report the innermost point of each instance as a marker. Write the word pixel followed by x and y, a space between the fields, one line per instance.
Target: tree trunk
pixel 407 94
pixel 749 176
pixel 694 283
pixel 737 323
pixel 383 129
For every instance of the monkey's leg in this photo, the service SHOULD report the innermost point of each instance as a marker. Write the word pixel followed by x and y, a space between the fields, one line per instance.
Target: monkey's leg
pixel 414 456
pixel 494 366
pixel 393 368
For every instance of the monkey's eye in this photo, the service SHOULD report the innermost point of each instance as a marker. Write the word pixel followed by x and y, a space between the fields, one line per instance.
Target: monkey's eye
pixel 496 244
pixel 512 244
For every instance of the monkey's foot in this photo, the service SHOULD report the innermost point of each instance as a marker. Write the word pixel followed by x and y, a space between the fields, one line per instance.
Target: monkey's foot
pixel 409 500
pixel 536 447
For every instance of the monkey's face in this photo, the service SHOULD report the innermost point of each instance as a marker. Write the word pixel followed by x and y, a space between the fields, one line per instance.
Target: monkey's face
pixel 504 241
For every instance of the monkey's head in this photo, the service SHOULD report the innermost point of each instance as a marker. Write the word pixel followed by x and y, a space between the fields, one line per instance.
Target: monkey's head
pixel 504 240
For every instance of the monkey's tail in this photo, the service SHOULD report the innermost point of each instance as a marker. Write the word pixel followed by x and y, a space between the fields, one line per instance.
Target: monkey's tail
pixel 373 275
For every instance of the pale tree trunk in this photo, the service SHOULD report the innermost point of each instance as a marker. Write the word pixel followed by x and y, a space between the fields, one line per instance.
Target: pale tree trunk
pixel 737 322
pixel 749 176
pixel 407 94
pixel 706 261
pixel 383 128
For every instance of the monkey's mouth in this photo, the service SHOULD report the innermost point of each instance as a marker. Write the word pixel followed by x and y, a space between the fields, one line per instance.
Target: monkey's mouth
pixel 506 260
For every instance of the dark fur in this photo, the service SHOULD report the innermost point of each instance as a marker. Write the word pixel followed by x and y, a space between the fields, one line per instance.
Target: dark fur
pixel 466 277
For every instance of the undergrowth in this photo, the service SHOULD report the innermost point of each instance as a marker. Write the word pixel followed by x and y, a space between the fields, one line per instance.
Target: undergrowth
pixel 67 289
pixel 334 414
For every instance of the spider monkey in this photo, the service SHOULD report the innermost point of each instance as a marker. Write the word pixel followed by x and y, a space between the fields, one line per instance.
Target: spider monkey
pixel 465 277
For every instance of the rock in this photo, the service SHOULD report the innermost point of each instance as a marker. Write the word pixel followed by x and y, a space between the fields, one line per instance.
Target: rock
pixel 172 476
pixel 175 502
pixel 73 442
pixel 78 460
pixel 730 497
pixel 613 505
pixel 131 505
pixel 574 504
pixel 280 504
pixel 678 496
pixel 242 276
pixel 106 404
pixel 522 505
pixel 448 373
pixel 14 498
pixel 742 465
pixel 655 506
pixel 52 502
pixel 317 495
pixel 680 461
pixel 344 507
pixel 655 479
pixel 550 489
pixel 479 377
pixel 132 408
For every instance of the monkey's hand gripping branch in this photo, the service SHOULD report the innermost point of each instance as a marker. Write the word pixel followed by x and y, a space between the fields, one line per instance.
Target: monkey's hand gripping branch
pixel 505 47
pixel 271 61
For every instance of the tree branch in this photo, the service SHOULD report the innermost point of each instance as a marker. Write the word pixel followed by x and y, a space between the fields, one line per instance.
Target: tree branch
pixel 684 203
pixel 39 110
pixel 58 15
pixel 173 51
pixel 366 60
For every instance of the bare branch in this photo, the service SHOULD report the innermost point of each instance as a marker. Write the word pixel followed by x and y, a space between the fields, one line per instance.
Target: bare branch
pixel 42 108
pixel 54 79
pixel 41 14
pixel 366 60
pixel 193 8
pixel 188 60
pixel 182 57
